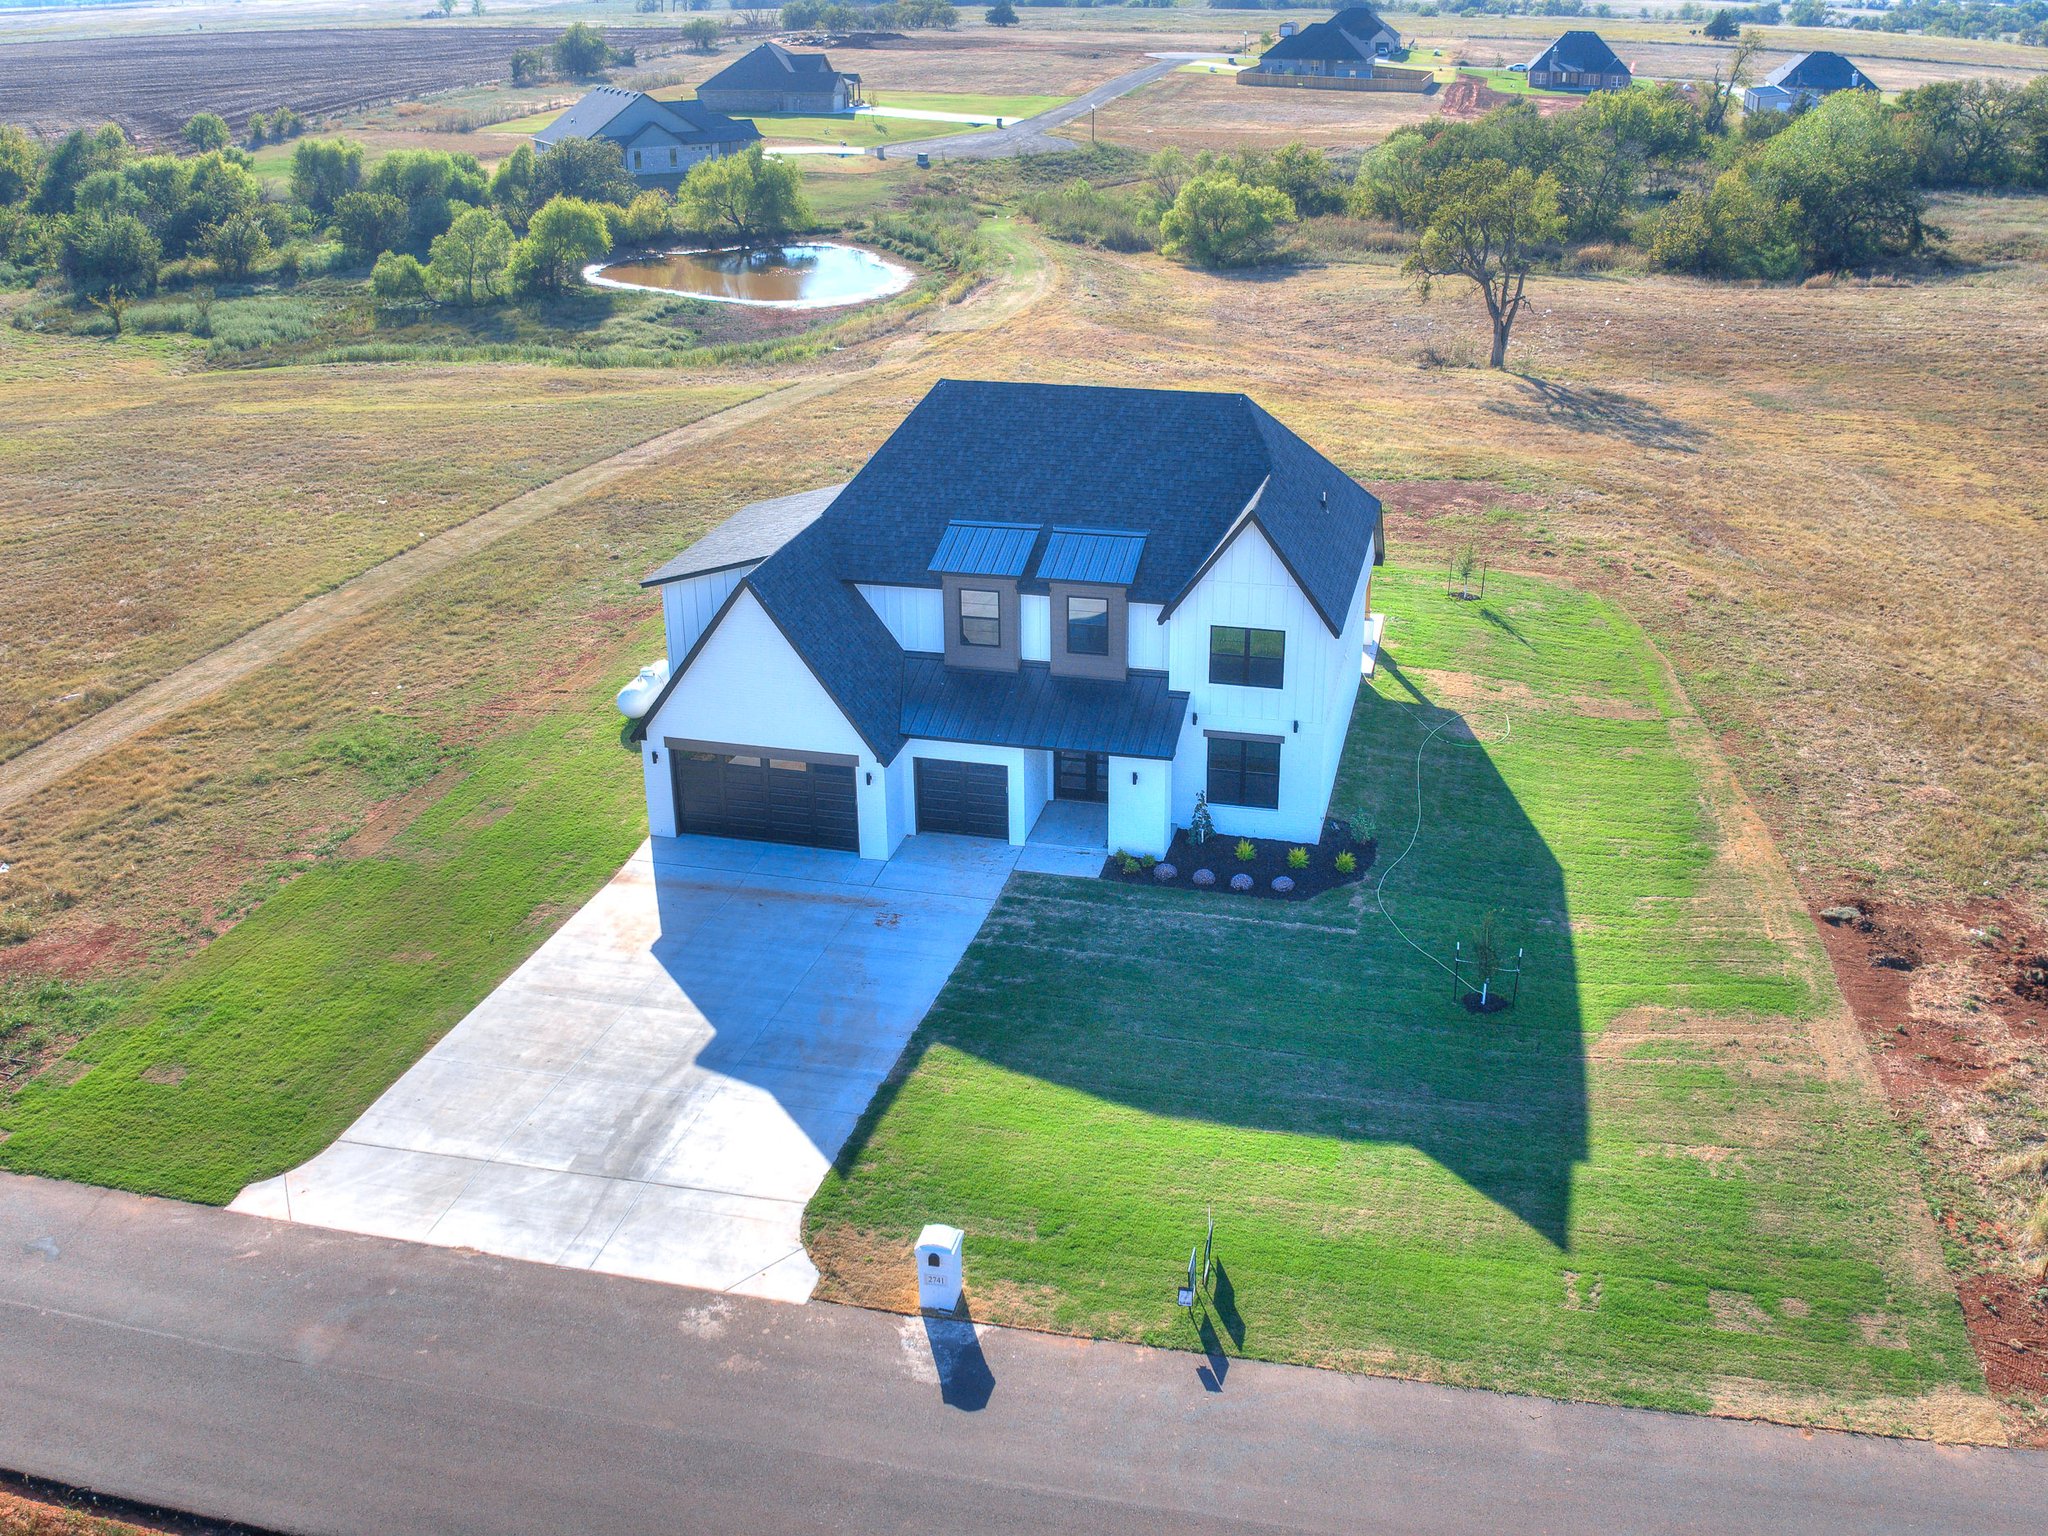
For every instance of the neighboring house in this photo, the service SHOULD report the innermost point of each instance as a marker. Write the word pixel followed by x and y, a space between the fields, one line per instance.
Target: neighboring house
pixel 1344 47
pixel 1803 81
pixel 1579 61
pixel 1030 592
pixel 654 138
pixel 772 79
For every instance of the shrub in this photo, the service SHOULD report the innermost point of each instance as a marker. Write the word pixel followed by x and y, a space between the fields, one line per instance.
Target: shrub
pixel 564 236
pixel 399 280
pixel 1297 858
pixel 1128 862
pixel 580 51
pixel 110 257
pixel 324 170
pixel 1200 826
pixel 1204 877
pixel 1347 863
pixel 368 223
pixel 702 33
pixel 1163 873
pixel 1246 850
pixel 1240 882
pixel 1082 215
pixel 468 258
pixel 1218 221
pixel 238 244
pixel 649 217
pixel 207 130
pixel 1283 884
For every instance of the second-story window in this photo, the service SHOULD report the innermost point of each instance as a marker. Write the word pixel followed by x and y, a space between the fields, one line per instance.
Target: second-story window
pixel 1250 658
pixel 1087 626
pixel 981 617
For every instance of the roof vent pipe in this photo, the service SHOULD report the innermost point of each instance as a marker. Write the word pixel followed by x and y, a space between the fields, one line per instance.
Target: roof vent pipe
pixel 1326 501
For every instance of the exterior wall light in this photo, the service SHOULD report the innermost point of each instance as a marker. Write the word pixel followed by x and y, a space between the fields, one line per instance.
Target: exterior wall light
pixel 1134 775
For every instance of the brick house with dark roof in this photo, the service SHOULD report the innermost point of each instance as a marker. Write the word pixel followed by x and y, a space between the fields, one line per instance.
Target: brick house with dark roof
pixel 771 78
pixel 1579 61
pixel 657 140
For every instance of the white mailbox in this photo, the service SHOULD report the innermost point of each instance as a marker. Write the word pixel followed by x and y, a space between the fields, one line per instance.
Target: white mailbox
pixel 938 1268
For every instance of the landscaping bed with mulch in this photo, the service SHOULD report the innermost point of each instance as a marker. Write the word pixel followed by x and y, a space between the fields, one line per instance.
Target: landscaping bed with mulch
pixel 1186 862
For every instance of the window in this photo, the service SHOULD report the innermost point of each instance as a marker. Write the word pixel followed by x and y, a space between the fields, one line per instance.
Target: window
pixel 981 617
pixel 1244 772
pixel 636 159
pixel 1087 626
pixel 1251 658
pixel 671 156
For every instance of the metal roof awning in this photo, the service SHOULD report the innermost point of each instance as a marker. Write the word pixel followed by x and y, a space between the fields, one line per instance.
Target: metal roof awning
pixel 984 549
pixel 1137 717
pixel 1108 557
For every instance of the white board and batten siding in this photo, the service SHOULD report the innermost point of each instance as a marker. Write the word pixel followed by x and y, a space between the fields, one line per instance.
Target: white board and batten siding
pixel 916 616
pixel 1249 586
pixel 688 607
pixel 747 684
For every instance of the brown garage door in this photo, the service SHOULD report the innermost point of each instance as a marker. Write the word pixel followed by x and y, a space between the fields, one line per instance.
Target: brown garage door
pixel 766 798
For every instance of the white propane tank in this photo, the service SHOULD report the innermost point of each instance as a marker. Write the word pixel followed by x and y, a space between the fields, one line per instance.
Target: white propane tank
pixel 638 696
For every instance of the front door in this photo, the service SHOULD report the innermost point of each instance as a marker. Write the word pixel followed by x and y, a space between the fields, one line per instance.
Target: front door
pixel 1080 776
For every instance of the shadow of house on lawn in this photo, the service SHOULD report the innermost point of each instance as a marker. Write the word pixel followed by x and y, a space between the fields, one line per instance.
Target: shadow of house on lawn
pixel 1318 1019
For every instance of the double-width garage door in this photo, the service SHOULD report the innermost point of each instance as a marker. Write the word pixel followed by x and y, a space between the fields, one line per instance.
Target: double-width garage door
pixel 766 799
pixel 973 798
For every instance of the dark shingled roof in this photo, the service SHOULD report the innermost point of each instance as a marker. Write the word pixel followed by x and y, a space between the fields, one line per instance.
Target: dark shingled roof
pixel 1347 35
pixel 772 67
pixel 1179 469
pixel 970 548
pixel 1177 466
pixel 690 121
pixel 1581 52
pixel 1102 556
pixel 1138 717
pixel 1819 71
pixel 748 537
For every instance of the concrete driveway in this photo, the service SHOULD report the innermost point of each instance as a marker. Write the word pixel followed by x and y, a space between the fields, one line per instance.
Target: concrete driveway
pixel 662 1086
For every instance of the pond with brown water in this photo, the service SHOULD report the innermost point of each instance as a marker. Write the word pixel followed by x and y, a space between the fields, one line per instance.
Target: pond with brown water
pixel 808 274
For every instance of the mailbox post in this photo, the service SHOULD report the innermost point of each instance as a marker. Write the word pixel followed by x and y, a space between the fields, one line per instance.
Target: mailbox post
pixel 938 1268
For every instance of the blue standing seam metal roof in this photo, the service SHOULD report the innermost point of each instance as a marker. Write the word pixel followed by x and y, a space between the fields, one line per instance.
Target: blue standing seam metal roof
pixel 1106 557
pixel 1138 717
pixel 971 548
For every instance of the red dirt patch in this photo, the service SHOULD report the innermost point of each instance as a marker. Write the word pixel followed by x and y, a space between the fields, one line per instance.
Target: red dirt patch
pixel 71 954
pixel 2008 1321
pixel 1465 98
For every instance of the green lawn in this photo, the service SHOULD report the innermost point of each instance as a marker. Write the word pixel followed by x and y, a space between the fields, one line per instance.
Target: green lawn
pixel 1655 1181
pixel 1512 82
pixel 260 1051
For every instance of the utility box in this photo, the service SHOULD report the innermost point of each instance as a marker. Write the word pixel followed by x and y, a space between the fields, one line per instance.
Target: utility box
pixel 938 1268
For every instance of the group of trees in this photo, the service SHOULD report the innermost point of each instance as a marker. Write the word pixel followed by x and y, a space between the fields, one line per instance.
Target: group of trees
pixel 886 16
pixel 580 53
pixel 114 223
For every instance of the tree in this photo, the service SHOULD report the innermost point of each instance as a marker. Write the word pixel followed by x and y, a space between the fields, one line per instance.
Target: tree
pixel 647 218
pixel 581 51
pixel 324 169
pixel 1717 92
pixel 1488 225
pixel 238 243
pixel 207 130
pixel 107 257
pixel 1722 25
pixel 1969 133
pixel 447 7
pixel 590 169
pixel 702 33
pixel 1168 171
pixel 512 184
pixel 1218 221
pixel 1306 176
pixel 747 195
pixel 398 281
pixel 565 236
pixel 259 130
pixel 528 65
pixel 471 254
pixel 1391 180
pixel 21 164
pixel 369 223
pixel 1843 172
pixel 285 123
pixel 77 155
pixel 1001 14
pixel 432 185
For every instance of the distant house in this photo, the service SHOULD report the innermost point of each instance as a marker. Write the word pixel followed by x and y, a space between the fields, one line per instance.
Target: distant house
pixel 654 138
pixel 1579 61
pixel 1804 81
pixel 772 79
pixel 1344 47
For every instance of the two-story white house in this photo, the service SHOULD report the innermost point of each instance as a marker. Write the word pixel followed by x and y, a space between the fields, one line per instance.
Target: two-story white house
pixel 1031 592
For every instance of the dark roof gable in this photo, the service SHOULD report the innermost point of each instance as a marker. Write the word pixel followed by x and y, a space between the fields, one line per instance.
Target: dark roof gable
pixel 1581 52
pixel 690 121
pixel 772 67
pixel 1347 35
pixel 1819 71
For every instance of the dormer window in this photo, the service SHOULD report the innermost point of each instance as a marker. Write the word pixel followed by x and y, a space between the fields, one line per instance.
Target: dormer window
pixel 1087 626
pixel 981 617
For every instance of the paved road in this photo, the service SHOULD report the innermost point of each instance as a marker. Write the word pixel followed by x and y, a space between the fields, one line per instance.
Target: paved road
pixel 1034 135
pixel 311 1381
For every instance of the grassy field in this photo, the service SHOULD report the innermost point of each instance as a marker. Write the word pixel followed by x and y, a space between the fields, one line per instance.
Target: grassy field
pixel 1662 1179
pixel 1511 82
pixel 256 1056
pixel 862 132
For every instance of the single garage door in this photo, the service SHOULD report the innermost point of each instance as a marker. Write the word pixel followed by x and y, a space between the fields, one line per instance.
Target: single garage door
pixel 766 799
pixel 973 798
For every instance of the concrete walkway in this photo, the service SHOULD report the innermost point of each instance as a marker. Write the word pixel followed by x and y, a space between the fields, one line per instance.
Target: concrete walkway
pixel 311 1381
pixel 662 1086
